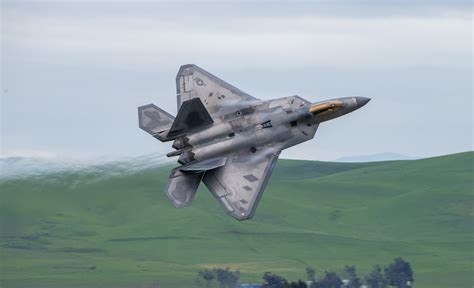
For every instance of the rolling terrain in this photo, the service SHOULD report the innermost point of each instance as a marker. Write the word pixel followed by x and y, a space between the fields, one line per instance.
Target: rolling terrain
pixel 110 225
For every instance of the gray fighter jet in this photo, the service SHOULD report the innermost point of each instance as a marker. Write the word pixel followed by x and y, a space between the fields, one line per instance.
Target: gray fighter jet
pixel 231 140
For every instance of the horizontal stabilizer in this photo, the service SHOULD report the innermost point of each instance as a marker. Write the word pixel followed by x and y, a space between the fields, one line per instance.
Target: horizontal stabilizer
pixel 204 165
pixel 155 121
pixel 182 187
pixel 192 116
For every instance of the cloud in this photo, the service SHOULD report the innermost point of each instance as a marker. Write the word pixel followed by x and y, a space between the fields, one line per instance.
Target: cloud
pixel 288 42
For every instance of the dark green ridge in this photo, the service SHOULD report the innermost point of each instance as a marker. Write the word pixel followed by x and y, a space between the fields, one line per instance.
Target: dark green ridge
pixel 56 227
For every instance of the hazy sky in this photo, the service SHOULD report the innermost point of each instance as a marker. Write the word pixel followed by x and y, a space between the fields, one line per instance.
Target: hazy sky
pixel 73 74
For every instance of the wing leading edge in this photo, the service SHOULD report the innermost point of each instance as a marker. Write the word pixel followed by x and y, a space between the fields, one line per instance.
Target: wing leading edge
pixel 239 185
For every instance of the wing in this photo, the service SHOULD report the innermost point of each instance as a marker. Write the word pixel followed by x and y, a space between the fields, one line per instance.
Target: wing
pixel 218 96
pixel 239 185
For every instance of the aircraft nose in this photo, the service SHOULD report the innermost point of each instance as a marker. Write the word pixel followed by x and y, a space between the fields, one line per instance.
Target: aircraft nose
pixel 334 108
pixel 361 101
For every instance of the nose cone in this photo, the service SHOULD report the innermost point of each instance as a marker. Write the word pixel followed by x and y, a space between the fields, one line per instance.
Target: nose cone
pixel 361 101
pixel 334 108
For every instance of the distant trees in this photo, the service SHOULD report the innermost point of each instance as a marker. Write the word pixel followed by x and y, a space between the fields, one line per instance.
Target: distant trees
pixel 376 278
pixel 351 275
pixel 271 280
pixel 275 281
pixel 311 276
pixel 397 274
pixel 330 280
pixel 299 284
pixel 226 278
pixel 207 276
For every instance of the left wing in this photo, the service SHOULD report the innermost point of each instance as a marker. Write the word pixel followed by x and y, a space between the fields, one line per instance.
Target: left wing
pixel 239 184
pixel 218 96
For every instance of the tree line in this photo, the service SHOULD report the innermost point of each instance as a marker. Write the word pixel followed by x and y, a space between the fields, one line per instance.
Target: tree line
pixel 397 274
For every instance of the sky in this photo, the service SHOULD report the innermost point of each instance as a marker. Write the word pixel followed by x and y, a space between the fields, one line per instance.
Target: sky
pixel 73 73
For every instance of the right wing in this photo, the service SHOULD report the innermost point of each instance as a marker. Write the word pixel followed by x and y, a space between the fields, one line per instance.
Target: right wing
pixel 239 185
pixel 218 96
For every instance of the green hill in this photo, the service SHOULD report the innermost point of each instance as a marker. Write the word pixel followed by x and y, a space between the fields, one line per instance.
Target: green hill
pixel 107 227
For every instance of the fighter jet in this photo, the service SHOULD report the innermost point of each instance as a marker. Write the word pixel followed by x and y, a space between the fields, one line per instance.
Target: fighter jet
pixel 231 140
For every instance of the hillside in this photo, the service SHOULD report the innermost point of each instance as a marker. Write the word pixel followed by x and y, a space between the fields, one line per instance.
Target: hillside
pixel 109 226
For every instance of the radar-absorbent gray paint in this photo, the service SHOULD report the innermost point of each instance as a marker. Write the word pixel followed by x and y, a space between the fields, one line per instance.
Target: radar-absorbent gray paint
pixel 230 140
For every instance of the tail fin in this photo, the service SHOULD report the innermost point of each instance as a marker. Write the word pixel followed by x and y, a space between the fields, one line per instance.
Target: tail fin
pixel 192 116
pixel 155 121
pixel 182 187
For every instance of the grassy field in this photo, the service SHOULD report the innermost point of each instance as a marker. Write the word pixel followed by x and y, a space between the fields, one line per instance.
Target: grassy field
pixel 108 227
